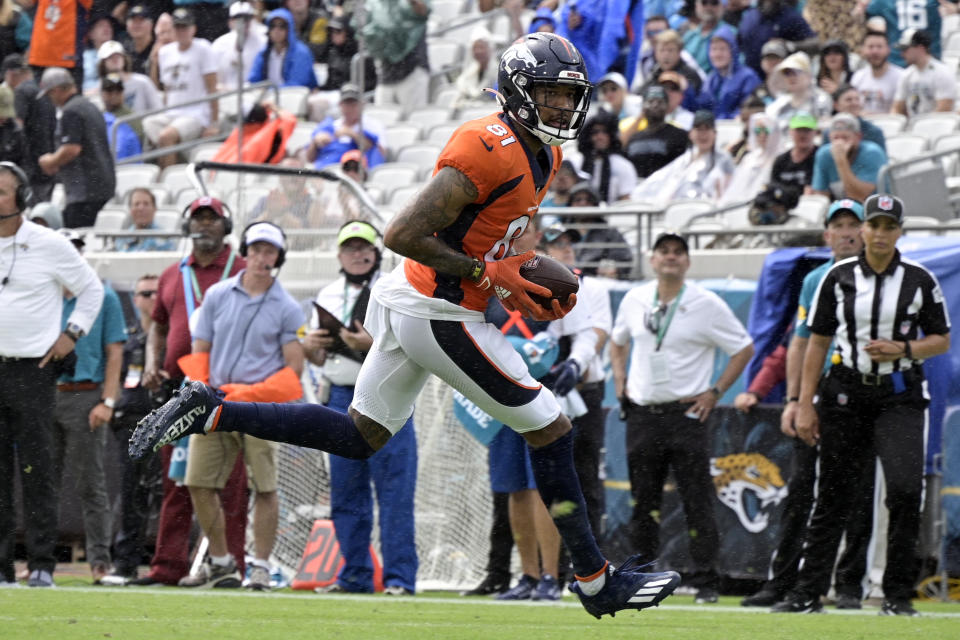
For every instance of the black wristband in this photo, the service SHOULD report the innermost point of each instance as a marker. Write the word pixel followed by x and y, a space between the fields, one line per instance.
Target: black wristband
pixel 793 399
pixel 907 350
pixel 716 391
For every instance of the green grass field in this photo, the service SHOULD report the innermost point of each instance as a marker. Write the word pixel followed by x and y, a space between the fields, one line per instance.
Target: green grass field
pixel 76 612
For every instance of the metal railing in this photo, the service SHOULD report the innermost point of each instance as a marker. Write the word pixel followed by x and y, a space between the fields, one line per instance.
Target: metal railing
pixel 262 87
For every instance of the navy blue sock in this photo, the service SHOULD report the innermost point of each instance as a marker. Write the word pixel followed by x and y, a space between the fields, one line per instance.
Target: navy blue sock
pixel 559 487
pixel 305 425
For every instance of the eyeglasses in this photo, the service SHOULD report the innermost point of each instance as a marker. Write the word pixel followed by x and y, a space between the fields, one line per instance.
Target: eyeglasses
pixel 790 72
pixel 146 294
pixel 761 131
pixel 709 3
pixel 653 33
pixel 653 320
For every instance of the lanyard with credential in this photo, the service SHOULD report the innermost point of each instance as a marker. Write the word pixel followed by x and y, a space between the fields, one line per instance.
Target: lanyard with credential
pixel 662 329
pixel 189 277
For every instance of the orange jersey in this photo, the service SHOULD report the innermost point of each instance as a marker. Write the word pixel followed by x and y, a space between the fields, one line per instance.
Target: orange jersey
pixel 56 32
pixel 511 183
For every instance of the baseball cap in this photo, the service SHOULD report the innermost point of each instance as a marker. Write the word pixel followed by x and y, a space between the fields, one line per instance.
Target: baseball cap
pixel 12 62
pixel 241 9
pixel 675 78
pixel 774 47
pixel 336 24
pixel 350 91
pixel 914 38
pixel 803 120
pixel 109 48
pixel 671 235
pixel 556 230
pixel 111 81
pixel 614 77
pixel 7 109
pixel 798 61
pixel 354 155
pixel 845 122
pixel 704 117
pixel 882 204
pixel 264 232
pixel 183 17
pixel 357 229
pixel 52 78
pixel 139 11
pixel 655 91
pixel 846 205
pixel 207 202
pixel 838 46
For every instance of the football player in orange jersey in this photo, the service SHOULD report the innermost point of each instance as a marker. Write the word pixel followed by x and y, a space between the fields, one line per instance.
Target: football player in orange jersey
pixel 427 315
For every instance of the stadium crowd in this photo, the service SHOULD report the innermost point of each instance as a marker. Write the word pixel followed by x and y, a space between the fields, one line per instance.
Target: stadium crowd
pixel 756 109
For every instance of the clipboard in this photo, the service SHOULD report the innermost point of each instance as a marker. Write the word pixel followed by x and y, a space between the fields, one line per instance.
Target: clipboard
pixel 332 324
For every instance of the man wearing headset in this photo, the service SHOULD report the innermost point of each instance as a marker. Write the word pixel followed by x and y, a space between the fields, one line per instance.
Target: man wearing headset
pixel 393 469
pixel 180 291
pixel 246 337
pixel 36 264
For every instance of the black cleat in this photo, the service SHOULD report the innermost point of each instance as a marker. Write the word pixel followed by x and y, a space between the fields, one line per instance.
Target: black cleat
pixel 187 412
pixel 628 588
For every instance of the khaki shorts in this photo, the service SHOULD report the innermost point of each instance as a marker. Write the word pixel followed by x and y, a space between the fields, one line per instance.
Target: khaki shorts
pixel 211 458
pixel 188 128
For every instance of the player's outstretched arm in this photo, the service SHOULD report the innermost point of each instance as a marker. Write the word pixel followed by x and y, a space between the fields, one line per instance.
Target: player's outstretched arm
pixel 436 207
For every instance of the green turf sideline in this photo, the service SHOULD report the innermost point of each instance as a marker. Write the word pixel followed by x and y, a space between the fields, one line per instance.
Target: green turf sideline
pixel 567 602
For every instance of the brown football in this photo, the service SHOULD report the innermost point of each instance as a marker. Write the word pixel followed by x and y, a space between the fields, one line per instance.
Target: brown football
pixel 553 275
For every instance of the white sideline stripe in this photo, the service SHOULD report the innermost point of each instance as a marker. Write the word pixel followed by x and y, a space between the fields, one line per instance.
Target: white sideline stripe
pixel 570 603
pixel 639 599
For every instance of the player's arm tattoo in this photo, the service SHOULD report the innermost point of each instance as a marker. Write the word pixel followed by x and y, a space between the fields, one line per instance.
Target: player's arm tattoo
pixel 411 233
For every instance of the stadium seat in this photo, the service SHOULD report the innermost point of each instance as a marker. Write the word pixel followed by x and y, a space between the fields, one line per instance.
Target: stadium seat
pixel 391 175
pixel 174 178
pixel 135 175
pixel 205 151
pixel 400 135
pixel 427 117
pixel 444 55
pixel 952 44
pixel 932 125
pixel 399 196
pixel 443 11
pixel 920 221
pixel 728 131
pixel 812 208
pixel 890 123
pixel 424 156
pixel 160 193
pixel 375 192
pixel 471 113
pixel 951 163
pixel 294 100
pixel 167 219
pixel 680 212
pixel 384 114
pixel 440 134
pixel 905 146
pixel 300 137
pixel 110 220
pixel 445 96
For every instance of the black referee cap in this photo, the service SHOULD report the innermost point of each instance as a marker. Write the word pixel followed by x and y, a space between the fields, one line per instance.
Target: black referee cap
pixel 883 204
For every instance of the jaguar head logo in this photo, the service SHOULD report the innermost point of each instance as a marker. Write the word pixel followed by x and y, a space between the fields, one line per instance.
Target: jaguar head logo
pixel 750 485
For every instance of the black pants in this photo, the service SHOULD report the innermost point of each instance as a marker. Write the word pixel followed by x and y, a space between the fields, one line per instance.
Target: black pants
pixel 26 446
pixel 793 527
pixel 140 479
pixel 81 214
pixel 501 539
pixel 655 443
pixel 857 420
pixel 588 439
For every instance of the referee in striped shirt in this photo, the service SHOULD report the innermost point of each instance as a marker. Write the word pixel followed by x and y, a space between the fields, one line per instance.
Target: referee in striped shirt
pixel 874 307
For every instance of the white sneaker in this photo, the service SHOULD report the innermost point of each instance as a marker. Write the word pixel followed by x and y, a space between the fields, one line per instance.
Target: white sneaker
pixel 258 578
pixel 213 576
